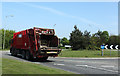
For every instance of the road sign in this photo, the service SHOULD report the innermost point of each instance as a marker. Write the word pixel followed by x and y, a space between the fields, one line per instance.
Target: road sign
pixel 102 46
pixel 111 47
pixel 116 47
pixel 106 46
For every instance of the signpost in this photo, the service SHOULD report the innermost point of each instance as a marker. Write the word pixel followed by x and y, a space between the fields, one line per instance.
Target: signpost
pixel 111 47
pixel 102 47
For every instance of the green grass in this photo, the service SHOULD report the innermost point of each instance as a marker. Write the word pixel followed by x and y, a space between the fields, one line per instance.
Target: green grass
pixel 87 53
pixel 0 65
pixel 10 66
pixel 4 49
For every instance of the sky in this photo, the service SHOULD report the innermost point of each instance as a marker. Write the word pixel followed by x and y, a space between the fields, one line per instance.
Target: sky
pixel 61 16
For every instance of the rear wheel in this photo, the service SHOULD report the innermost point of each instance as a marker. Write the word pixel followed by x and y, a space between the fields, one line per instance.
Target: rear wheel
pixel 23 54
pixel 44 58
pixel 28 57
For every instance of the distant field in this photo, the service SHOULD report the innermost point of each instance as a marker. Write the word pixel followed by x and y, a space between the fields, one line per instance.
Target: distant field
pixel 87 53
pixel 10 66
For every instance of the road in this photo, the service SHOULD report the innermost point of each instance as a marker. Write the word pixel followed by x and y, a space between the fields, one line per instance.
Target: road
pixel 77 65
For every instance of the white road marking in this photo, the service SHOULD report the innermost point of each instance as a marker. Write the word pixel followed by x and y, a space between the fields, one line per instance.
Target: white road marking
pixel 81 65
pixel 97 68
pixel 102 69
pixel 73 61
pixel 109 66
pixel 58 64
pixel 79 61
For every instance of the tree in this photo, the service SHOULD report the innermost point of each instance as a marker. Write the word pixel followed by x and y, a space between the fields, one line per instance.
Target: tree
pixel 8 37
pixel 114 40
pixel 94 42
pixel 76 39
pixel 104 37
pixel 79 40
pixel 98 39
pixel 64 41
pixel 86 39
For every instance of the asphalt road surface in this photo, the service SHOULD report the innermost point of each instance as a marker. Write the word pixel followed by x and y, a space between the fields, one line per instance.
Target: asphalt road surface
pixel 77 65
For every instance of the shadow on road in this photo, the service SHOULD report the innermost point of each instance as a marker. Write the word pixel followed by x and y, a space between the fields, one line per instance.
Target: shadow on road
pixel 45 61
pixel 32 60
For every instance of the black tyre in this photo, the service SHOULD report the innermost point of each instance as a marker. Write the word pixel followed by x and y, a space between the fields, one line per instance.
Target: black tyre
pixel 23 54
pixel 15 52
pixel 12 52
pixel 11 49
pixel 44 58
pixel 28 56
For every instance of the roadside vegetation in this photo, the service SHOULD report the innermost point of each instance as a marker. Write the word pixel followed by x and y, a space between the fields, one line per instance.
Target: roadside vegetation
pixel 8 37
pixel 87 41
pixel 88 53
pixel 10 66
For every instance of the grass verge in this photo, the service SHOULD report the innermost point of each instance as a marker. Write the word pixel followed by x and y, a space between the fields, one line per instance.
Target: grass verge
pixel 10 66
pixel 88 53
pixel 4 49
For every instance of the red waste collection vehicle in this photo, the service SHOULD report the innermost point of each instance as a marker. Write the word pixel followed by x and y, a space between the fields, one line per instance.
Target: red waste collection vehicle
pixel 35 43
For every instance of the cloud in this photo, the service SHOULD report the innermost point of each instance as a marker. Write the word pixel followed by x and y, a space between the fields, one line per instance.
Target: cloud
pixel 45 8
pixel 84 20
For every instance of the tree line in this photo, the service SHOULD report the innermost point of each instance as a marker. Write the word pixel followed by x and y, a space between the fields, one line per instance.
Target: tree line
pixel 84 40
pixel 8 37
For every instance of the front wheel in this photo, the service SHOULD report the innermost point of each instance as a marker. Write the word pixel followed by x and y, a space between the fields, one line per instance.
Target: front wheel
pixel 12 52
